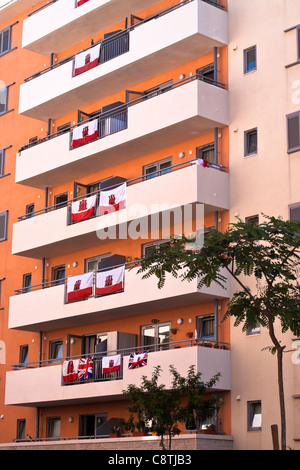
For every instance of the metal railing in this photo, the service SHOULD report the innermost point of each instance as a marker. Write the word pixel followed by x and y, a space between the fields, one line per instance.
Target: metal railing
pixel 124 352
pixel 123 109
pixel 137 180
pixel 117 44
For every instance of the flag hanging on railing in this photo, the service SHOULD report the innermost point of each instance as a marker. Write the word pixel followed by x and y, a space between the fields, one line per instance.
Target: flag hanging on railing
pixel 85 368
pixel 83 209
pixel 79 287
pixel 110 281
pixel 87 60
pixel 70 370
pixel 137 360
pixel 81 2
pixel 111 364
pixel 113 200
pixel 202 162
pixel 85 133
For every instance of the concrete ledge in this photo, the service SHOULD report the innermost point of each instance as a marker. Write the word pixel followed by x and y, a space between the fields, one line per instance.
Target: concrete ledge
pixel 183 442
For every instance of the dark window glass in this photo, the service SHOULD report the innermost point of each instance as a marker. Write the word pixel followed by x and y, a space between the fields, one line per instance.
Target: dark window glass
pixel 293 132
pixel 251 142
pixel 250 59
pixel 3 225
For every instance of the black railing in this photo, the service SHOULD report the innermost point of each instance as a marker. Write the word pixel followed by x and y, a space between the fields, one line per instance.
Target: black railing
pixel 117 44
pixel 138 179
pixel 120 113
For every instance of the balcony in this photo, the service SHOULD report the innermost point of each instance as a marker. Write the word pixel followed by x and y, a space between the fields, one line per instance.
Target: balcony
pixel 61 24
pixel 186 109
pixel 45 307
pixel 11 8
pixel 157 45
pixel 158 195
pixel 42 386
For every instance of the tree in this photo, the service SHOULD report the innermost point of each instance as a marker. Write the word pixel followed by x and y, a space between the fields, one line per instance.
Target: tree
pixel 160 410
pixel 269 253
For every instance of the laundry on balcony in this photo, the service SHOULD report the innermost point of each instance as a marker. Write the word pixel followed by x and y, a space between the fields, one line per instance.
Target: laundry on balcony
pixel 80 287
pixel 85 133
pixel 113 200
pixel 111 364
pixel 83 209
pixel 110 281
pixel 70 370
pixel 86 60
pixel 137 360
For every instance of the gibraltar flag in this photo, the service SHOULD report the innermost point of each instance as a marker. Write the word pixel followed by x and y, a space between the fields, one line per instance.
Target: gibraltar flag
pixel 110 281
pixel 202 162
pixel 87 60
pixel 81 2
pixel 83 209
pixel 113 200
pixel 111 364
pixel 79 287
pixel 70 370
pixel 85 133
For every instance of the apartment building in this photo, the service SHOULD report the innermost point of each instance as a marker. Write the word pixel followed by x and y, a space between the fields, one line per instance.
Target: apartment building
pixel 116 117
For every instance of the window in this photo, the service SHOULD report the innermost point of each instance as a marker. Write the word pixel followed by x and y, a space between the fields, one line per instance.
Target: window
pixel 149 248
pixel 158 168
pixel 64 128
pixel 252 219
pixel 3 225
pixel 156 337
pixel 90 425
pixel 250 59
pixel 29 210
pixel 251 142
pixel 56 349
pixel 206 327
pixel 61 200
pixel 295 212
pixel 253 330
pixel 293 132
pixel 2 161
pixel 91 264
pixel 58 274
pixel 206 152
pixel 5 40
pixel 53 427
pixel 24 354
pixel 21 427
pixel 26 282
pixel 254 415
pixel 159 89
pixel 3 99
pixel 207 72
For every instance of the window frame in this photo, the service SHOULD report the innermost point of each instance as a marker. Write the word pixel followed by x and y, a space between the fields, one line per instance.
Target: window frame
pixel 2 52
pixel 155 244
pixel 21 429
pixel 5 228
pixel 252 219
pixel 59 205
pixel 25 287
pixel 200 151
pixel 247 135
pixel 251 413
pixel 6 100
pixel 58 280
pixel 200 321
pixel 288 117
pixel 49 425
pixel 23 354
pixel 246 52
pixel 158 171
pixel 55 358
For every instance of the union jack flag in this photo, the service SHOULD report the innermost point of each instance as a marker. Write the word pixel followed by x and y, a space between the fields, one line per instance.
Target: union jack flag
pixel 138 360
pixel 85 368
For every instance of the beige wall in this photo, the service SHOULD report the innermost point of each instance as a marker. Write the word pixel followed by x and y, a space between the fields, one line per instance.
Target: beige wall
pixel 264 183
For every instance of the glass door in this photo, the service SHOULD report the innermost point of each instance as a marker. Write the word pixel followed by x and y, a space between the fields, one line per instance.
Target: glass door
pixel 156 337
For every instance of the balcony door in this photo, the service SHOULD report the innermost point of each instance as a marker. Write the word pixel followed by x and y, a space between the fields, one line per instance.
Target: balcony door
pixel 156 337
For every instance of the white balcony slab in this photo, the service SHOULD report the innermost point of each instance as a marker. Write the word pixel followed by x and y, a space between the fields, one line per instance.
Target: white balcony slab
pixel 46 309
pixel 61 25
pixel 42 386
pixel 32 237
pixel 180 114
pixel 154 48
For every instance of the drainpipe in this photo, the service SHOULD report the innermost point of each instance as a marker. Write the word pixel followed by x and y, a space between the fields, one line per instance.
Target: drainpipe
pixel 46 199
pixel 37 426
pixel 215 64
pixel 216 146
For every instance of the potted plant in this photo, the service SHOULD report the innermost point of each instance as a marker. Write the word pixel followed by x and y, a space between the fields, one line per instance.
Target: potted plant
pixel 115 431
pixel 209 429
pixel 137 429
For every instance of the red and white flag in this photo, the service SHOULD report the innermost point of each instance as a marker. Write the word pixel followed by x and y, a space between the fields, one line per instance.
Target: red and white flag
pixel 81 2
pixel 113 200
pixel 87 60
pixel 111 364
pixel 202 162
pixel 83 209
pixel 110 281
pixel 70 370
pixel 79 287
pixel 85 133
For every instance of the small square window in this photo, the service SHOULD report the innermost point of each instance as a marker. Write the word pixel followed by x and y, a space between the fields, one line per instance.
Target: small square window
pixel 295 212
pixel 254 416
pixel 293 132
pixel 27 282
pixel 252 219
pixel 3 99
pixel 251 142
pixel 29 210
pixel 250 59
pixel 24 354
pixel 3 225
pixel 61 200
pixel 5 40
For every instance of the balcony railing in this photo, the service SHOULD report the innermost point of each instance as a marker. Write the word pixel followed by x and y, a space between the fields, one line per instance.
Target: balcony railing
pixel 115 120
pixel 130 182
